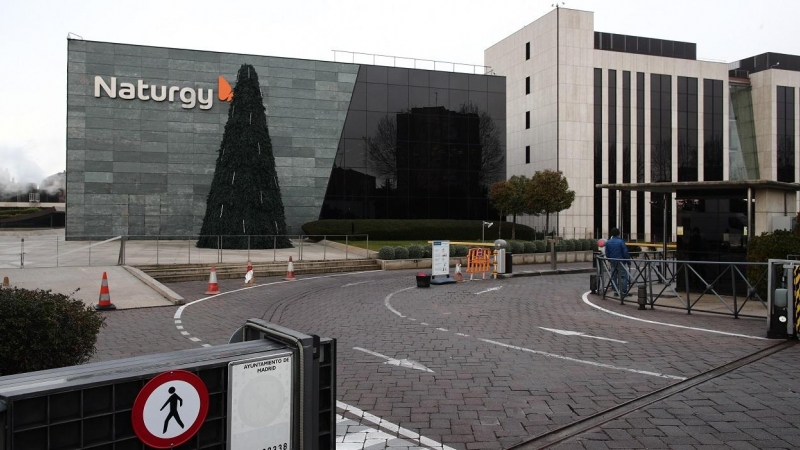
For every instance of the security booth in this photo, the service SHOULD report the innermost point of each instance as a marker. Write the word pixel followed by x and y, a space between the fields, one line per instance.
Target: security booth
pixel 271 388
pixel 783 299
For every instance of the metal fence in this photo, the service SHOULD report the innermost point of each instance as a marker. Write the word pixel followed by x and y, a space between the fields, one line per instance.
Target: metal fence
pixel 55 251
pixel 729 288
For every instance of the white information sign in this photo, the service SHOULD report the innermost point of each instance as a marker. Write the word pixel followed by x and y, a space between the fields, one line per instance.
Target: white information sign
pixel 260 403
pixel 441 258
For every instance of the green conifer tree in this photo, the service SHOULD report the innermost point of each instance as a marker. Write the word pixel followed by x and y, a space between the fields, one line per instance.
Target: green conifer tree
pixel 245 198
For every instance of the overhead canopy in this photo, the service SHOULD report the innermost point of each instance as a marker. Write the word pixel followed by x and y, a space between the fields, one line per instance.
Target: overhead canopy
pixel 706 187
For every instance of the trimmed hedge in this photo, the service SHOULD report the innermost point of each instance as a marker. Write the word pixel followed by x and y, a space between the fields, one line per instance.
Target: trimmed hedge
pixel 44 330
pixel 415 251
pixel 400 253
pixel 516 247
pixel 414 230
pixel 529 247
pixel 459 250
pixel 386 253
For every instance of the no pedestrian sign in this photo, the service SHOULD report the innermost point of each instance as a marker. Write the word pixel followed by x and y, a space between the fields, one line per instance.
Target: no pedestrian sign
pixel 170 409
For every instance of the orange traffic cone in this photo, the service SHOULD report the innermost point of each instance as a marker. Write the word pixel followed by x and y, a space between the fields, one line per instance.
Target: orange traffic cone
pixel 249 276
pixel 104 302
pixel 457 275
pixel 213 287
pixel 290 271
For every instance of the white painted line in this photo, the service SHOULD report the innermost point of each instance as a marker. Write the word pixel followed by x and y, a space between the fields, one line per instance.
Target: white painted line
pixel 356 284
pixel 578 333
pixel 185 333
pixel 207 345
pixel 411 318
pixel 377 421
pixel 179 312
pixel 177 321
pixel 194 339
pixel 442 329
pixel 388 297
pixel 591 363
pixel 462 334
pixel 409 363
pixel 489 290
pixel 180 327
pixel 423 323
pixel 705 330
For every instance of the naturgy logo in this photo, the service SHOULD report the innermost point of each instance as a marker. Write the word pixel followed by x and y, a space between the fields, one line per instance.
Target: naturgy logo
pixel 188 97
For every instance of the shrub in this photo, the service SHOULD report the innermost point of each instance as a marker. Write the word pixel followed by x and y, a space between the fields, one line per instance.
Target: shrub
pixel 44 330
pixel 541 247
pixel 386 253
pixel 427 251
pixel 578 245
pixel 634 249
pixel 417 230
pixel 569 245
pixel 529 247
pixel 400 253
pixel 515 247
pixel 415 251
pixel 561 245
pixel 593 245
pixel 776 245
pixel 459 250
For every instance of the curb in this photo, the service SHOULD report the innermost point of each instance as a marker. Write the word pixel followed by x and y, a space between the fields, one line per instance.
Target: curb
pixel 166 292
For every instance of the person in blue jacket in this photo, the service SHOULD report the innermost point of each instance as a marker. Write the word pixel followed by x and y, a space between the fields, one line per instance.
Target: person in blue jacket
pixel 617 253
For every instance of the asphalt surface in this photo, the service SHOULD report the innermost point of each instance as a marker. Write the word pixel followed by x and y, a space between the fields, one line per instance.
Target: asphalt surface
pixel 492 364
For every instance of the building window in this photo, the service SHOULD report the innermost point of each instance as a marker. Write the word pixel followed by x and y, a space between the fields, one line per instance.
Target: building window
pixel 527 51
pixel 527 85
pixel 598 151
pixel 527 154
pixel 660 151
pixel 625 207
pixel 527 120
pixel 712 130
pixel 612 147
pixel 785 125
pixel 687 129
pixel 640 154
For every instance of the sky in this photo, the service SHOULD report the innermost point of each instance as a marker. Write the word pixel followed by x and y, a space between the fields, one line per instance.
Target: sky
pixel 33 46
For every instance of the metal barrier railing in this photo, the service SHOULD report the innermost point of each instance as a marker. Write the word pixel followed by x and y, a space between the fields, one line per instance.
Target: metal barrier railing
pixel 673 283
pixel 56 251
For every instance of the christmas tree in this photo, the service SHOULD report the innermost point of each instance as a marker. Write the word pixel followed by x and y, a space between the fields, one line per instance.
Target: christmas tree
pixel 245 198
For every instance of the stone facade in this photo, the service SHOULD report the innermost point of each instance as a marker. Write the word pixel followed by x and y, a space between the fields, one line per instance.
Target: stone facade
pixel 144 167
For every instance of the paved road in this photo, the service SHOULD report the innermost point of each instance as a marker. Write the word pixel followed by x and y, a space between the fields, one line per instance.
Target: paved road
pixel 494 367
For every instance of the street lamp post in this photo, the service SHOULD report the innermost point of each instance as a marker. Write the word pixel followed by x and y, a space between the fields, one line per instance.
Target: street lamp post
pixel 483 230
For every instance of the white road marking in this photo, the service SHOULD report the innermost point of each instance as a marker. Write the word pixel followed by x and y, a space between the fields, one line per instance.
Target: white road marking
pixel 409 363
pixel 372 440
pixel 462 334
pixel 194 339
pixel 356 284
pixel 586 300
pixel 578 333
pixel 489 290
pixel 185 333
pixel 207 345
pixel 442 329
pixel 180 327
pixel 581 361
pixel 423 323
pixel 388 297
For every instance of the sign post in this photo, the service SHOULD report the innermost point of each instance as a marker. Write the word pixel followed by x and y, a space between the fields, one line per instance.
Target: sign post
pixel 440 259
pixel 260 402
pixel 170 409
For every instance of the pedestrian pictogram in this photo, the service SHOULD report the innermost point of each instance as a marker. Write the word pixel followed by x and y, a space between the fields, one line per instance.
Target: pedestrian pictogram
pixel 170 409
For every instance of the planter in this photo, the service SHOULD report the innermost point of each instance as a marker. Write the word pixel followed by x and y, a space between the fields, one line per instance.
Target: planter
pixel 423 281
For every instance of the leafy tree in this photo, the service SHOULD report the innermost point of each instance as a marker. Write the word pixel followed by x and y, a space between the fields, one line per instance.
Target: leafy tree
pixel 548 192
pixel 44 330
pixel 509 198
pixel 245 198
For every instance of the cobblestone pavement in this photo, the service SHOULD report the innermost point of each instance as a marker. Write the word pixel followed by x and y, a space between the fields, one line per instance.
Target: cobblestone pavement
pixel 502 366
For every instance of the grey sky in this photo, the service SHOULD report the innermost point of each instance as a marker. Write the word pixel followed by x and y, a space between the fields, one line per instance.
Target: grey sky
pixel 34 55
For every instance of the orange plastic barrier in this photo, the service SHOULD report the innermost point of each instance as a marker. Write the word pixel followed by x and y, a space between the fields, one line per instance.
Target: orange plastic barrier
pixel 479 260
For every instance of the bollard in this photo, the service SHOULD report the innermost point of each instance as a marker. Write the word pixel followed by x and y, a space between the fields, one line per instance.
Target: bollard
pixel 593 283
pixel 642 296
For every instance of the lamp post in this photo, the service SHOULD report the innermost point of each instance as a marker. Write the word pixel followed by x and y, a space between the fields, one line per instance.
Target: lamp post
pixel 483 230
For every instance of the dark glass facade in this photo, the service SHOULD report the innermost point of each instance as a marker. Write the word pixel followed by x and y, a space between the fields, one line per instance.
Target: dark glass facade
pixel 785 134
pixel 770 60
pixel 712 130
pixel 625 207
pixel 640 196
pixel 644 46
pixel 612 146
pixel 598 150
pixel 687 129
pixel 419 144
pixel 660 150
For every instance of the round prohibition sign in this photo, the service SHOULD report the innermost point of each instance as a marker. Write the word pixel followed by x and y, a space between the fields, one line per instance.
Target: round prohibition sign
pixel 170 409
